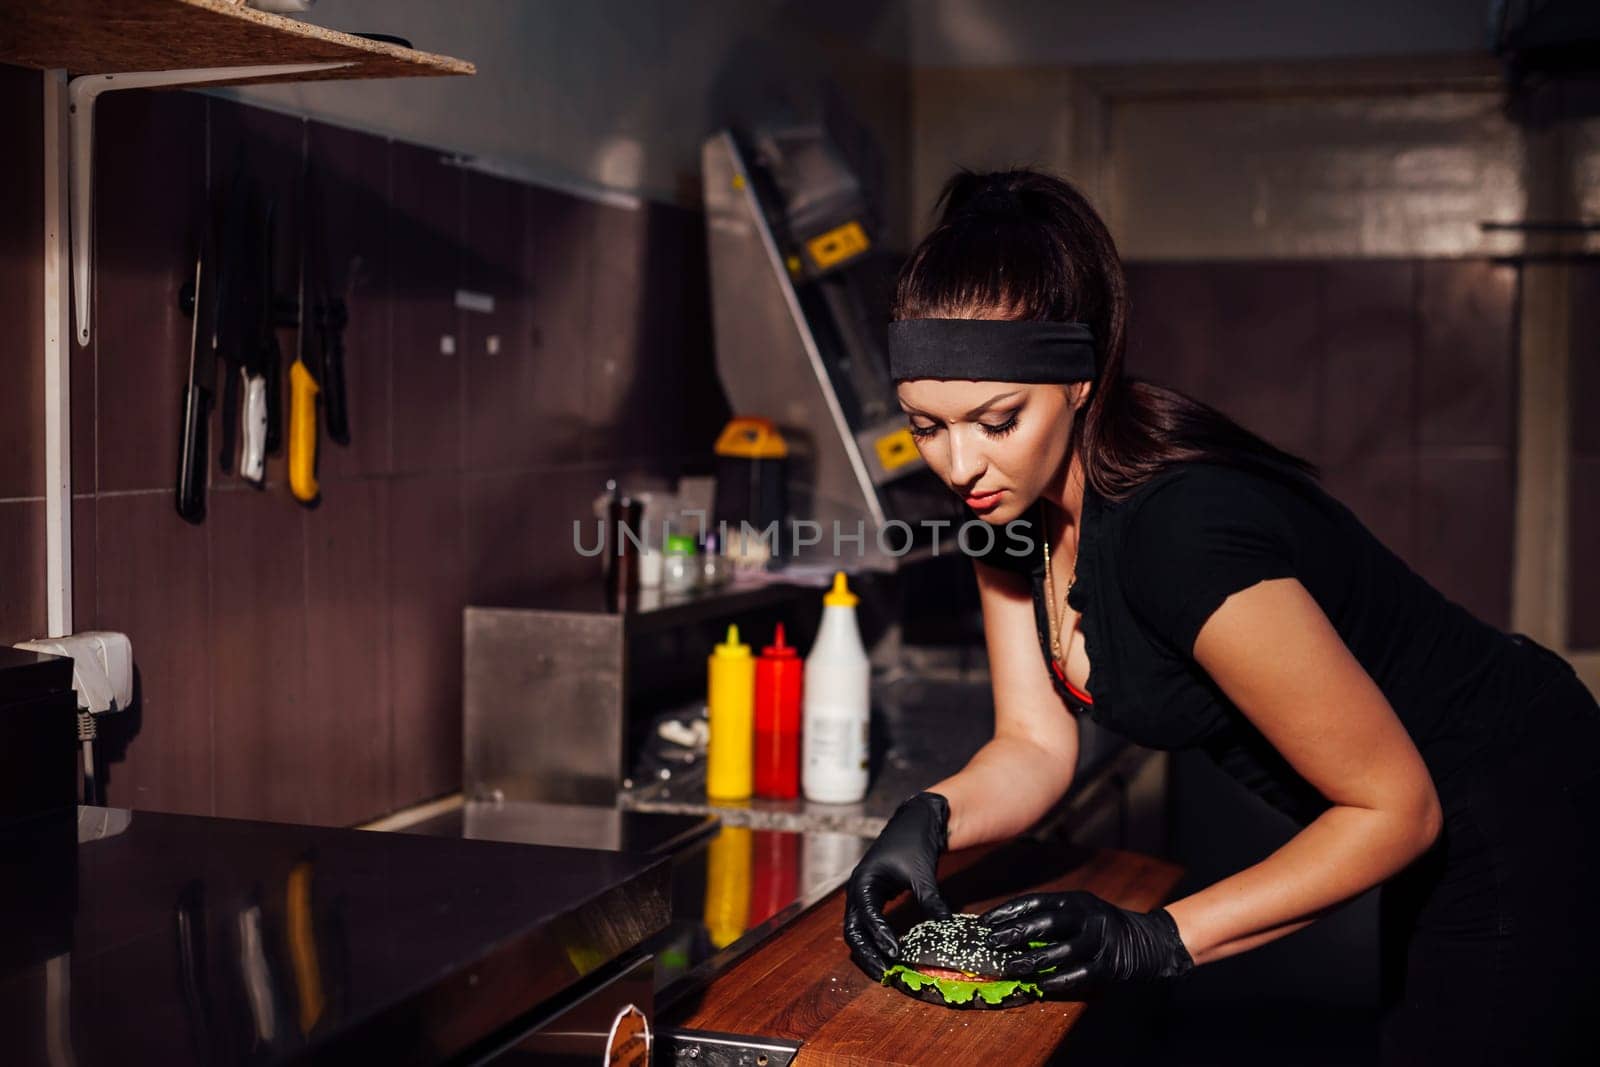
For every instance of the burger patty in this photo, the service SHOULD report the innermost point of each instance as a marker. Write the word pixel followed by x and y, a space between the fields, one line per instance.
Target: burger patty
pixel 953 976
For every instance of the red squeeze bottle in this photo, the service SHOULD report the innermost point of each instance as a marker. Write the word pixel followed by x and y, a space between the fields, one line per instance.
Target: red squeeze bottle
pixel 779 670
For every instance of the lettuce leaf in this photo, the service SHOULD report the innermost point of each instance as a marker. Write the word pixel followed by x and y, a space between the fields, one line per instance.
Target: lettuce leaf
pixel 959 992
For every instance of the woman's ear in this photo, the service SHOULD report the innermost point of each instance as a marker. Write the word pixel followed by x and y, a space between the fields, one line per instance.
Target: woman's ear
pixel 1078 394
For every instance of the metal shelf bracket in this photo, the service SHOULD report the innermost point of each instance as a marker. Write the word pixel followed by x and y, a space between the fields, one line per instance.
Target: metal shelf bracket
pixel 68 244
pixel 82 92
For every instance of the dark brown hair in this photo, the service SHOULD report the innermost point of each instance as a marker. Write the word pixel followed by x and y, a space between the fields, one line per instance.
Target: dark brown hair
pixel 1020 244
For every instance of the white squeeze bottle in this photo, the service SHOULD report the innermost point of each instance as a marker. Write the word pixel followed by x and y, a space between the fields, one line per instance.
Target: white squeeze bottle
pixel 833 734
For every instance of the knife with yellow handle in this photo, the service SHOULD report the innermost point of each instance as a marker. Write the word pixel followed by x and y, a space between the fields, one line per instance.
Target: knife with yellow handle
pixel 303 390
pixel 303 386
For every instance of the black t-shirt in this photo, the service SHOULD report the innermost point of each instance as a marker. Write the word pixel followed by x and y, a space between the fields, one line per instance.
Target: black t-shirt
pixel 1153 567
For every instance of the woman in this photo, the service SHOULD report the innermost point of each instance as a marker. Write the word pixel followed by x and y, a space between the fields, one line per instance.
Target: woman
pixel 1189 585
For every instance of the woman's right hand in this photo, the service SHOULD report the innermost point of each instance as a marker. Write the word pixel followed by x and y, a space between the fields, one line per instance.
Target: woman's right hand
pixel 905 856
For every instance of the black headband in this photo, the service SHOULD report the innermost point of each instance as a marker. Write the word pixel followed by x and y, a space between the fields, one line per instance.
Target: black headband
pixel 991 350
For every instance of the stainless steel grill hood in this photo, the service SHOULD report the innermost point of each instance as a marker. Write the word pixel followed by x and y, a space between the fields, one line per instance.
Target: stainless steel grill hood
pixel 797 349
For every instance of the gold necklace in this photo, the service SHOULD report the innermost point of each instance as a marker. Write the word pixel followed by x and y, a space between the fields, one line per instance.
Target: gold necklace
pixel 1054 615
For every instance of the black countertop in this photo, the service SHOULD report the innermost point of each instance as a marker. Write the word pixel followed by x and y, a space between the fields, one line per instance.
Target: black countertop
pixel 732 886
pixel 130 938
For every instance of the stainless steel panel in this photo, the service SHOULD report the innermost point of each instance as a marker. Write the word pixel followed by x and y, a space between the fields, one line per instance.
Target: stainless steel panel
pixel 767 358
pixel 544 706
pixel 707 1048
pixel 569 825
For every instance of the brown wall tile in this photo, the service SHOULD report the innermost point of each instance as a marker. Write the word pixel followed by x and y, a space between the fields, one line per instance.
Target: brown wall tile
pixel 1583 589
pixel 347 653
pixel 352 186
pixel 85 557
pixel 151 583
pixel 427 590
pixel 271 748
pixel 1466 353
pixel 1464 517
pixel 1583 531
pixel 425 271
pixel 559 249
pixel 1382 491
pixel 503 409
pixel 22 282
pixel 519 532
pixel 148 223
pixel 84 415
pixel 1268 356
pixel 1585 360
pixel 635 395
pixel 1369 380
pixel 1172 324
pixel 22 588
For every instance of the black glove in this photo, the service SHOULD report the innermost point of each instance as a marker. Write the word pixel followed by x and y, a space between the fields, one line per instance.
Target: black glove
pixel 903 857
pixel 1093 944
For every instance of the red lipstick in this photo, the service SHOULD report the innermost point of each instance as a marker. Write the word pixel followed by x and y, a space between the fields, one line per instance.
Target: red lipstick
pixel 984 501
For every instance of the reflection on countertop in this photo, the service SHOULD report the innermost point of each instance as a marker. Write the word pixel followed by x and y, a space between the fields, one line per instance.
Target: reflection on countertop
pixel 569 825
pixel 733 891
pixel 140 937
pixel 731 886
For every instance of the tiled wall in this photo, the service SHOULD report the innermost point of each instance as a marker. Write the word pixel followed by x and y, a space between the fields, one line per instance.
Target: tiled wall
pixel 305 664
pixel 1397 377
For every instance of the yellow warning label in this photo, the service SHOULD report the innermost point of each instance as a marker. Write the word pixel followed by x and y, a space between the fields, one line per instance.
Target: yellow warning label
pixel 838 244
pixel 896 449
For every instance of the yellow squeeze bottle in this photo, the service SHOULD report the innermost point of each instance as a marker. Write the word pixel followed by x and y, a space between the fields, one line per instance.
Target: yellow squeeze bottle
pixel 731 685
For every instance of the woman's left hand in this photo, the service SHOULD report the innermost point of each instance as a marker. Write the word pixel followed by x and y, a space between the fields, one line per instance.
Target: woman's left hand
pixel 1092 944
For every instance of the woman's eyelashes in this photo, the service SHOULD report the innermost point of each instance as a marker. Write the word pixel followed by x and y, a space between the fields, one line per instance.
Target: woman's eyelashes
pixel 992 429
pixel 1001 429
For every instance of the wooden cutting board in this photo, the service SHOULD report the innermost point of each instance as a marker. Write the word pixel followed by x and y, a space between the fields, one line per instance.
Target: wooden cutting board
pixel 801 985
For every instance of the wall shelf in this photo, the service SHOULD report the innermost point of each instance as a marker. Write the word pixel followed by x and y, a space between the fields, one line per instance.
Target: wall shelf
pixel 97 37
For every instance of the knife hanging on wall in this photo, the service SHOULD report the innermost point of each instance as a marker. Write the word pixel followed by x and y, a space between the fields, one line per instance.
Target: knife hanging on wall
pixel 198 392
pixel 258 369
pixel 330 312
pixel 233 297
pixel 303 386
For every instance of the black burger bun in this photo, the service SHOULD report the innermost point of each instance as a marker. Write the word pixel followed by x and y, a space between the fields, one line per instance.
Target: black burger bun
pixel 959 943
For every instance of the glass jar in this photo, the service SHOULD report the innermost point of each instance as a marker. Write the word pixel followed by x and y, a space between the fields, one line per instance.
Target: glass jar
pixel 715 568
pixel 680 569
